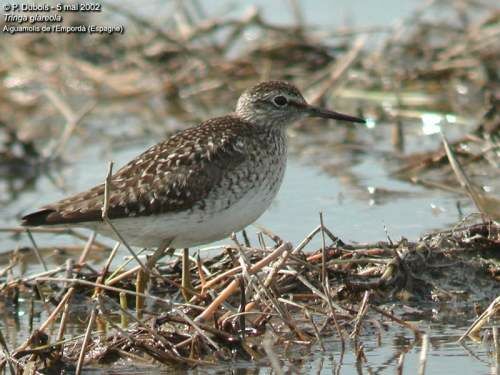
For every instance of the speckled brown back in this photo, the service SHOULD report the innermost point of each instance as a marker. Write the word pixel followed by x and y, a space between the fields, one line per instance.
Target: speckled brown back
pixel 169 177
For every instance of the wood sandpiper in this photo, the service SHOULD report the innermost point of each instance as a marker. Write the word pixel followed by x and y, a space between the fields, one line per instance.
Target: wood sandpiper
pixel 201 184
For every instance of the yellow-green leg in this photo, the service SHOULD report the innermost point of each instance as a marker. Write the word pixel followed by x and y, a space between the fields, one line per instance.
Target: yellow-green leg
pixel 186 276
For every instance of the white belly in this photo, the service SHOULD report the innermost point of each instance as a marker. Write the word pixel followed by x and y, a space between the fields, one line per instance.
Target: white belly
pixel 194 227
pixel 240 198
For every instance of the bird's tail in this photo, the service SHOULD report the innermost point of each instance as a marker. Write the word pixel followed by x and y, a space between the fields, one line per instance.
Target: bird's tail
pixel 43 216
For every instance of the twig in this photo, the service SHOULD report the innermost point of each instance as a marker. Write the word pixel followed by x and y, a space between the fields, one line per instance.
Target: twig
pixel 110 259
pixel 257 266
pixel 401 361
pixel 423 354
pixel 36 250
pixel 234 285
pixel 316 332
pixel 264 290
pixel 65 314
pixel 496 345
pixel 123 308
pixel 324 277
pixel 72 121
pixel 111 288
pixel 306 240
pixel 340 68
pixel 361 314
pixel 410 326
pixel 6 352
pixel 48 321
pixel 315 290
pixel 68 231
pixel 128 315
pixel 87 248
pixel 488 206
pixel 271 355
pixel 492 309
pixel 26 279
pixel 105 218
pixel 298 15
pixel 339 331
pixel 140 287
pixel 79 364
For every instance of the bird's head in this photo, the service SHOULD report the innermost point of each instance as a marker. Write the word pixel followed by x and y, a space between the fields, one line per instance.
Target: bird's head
pixel 278 103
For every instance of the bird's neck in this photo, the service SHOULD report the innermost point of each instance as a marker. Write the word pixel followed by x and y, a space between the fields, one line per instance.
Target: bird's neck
pixel 262 118
pixel 264 129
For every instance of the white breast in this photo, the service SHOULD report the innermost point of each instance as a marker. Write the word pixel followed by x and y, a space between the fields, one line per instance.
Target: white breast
pixel 240 198
pixel 195 227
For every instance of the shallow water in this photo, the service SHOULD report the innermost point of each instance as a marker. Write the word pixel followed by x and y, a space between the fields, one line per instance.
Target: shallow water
pixel 361 203
pixel 382 350
pixel 310 187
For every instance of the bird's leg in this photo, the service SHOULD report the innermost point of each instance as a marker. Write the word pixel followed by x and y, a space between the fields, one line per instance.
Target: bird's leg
pixel 187 287
pixel 159 253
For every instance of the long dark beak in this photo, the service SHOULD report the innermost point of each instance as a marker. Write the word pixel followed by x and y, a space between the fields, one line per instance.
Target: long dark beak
pixel 325 113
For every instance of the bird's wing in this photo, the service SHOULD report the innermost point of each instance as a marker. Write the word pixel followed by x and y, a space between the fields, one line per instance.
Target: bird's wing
pixel 170 176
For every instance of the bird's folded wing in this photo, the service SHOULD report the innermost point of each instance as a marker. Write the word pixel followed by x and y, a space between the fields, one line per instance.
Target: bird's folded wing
pixel 169 177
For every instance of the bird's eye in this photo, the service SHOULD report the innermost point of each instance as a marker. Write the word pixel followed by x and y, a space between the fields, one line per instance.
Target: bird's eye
pixel 280 101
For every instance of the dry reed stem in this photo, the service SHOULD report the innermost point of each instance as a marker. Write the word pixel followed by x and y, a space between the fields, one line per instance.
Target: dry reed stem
pixel 87 248
pixel 81 357
pixel 27 279
pixel 72 121
pixel 124 275
pixel 315 328
pixel 105 218
pixel 496 345
pixel 264 290
pixel 65 313
pixel 361 314
pixel 394 318
pixel 186 285
pixel 220 278
pixel 234 285
pixel 123 308
pixel 270 277
pixel 140 287
pixel 339 68
pixel 488 206
pixel 196 326
pixel 324 275
pixel 303 280
pixel 68 231
pixel 111 256
pixel 257 266
pixel 36 250
pixel 271 355
pixel 306 240
pixel 64 317
pixel 48 321
pixel 138 321
pixel 274 237
pixel 423 354
pixel 6 353
pixel 400 364
pixel 201 273
pixel 491 310
pixel 110 288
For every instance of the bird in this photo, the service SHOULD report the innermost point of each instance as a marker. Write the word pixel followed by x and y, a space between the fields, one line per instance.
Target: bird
pixel 201 184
